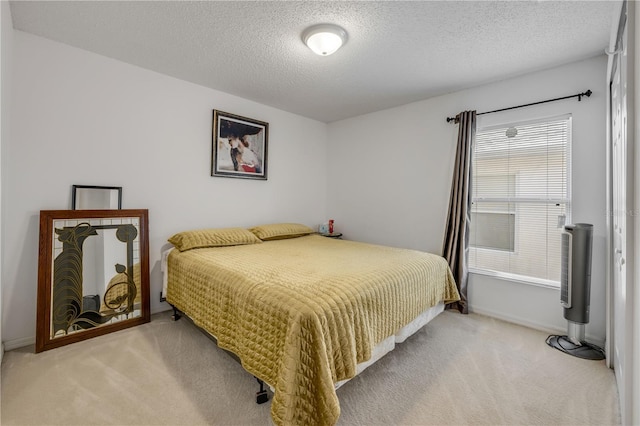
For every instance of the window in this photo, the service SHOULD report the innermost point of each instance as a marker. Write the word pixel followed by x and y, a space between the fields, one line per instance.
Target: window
pixel 494 222
pixel 521 199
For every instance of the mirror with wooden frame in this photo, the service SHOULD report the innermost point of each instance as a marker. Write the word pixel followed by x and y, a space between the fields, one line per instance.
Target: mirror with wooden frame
pixel 93 274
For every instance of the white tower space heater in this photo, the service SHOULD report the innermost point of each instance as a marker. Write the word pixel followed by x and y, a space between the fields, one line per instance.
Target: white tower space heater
pixel 575 292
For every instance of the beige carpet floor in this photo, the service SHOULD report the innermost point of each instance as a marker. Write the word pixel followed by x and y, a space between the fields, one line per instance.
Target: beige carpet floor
pixel 458 370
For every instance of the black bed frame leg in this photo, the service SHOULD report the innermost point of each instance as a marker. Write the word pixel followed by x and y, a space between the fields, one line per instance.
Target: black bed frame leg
pixel 176 314
pixel 261 396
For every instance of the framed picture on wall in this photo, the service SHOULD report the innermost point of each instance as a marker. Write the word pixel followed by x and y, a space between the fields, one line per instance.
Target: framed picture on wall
pixel 239 146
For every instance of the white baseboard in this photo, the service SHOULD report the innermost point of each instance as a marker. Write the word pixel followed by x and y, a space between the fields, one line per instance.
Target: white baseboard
pixel 161 308
pixel 10 345
pixel 547 328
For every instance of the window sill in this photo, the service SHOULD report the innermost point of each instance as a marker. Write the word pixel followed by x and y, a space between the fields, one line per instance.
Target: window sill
pixel 538 282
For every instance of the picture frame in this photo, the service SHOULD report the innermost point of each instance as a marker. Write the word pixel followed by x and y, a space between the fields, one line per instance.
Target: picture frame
pixel 91 197
pixel 93 274
pixel 239 146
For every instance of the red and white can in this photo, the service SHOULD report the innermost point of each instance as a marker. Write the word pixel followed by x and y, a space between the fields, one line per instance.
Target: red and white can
pixel 331 226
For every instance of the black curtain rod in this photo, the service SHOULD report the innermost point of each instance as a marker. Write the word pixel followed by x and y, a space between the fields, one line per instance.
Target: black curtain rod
pixel 579 96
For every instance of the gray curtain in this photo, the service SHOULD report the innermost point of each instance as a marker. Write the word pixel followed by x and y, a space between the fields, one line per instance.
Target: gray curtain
pixel 456 237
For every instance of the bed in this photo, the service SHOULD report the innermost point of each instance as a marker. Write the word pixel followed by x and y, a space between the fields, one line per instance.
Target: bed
pixel 302 312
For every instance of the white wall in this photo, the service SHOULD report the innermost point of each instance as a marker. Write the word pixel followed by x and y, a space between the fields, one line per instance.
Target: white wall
pixel 389 175
pixel 6 52
pixel 81 118
pixel 634 99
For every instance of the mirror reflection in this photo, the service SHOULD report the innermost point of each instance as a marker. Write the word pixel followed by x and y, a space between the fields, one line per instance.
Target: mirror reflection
pixel 96 273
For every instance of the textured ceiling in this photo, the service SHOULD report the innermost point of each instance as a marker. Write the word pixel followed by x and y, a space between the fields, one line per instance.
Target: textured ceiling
pixel 398 52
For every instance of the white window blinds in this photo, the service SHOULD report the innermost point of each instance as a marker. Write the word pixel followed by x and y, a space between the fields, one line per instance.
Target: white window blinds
pixel 521 193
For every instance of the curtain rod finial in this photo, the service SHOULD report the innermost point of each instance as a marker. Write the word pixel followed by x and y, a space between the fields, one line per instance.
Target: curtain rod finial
pixel 588 93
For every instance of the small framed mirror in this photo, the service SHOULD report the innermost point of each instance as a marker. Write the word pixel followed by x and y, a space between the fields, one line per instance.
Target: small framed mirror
pixel 90 197
pixel 93 274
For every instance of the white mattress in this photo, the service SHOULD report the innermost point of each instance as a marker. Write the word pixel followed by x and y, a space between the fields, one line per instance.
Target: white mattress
pixel 163 270
pixel 388 344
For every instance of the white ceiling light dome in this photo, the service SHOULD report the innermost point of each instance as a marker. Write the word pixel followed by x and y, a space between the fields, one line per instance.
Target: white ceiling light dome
pixel 324 39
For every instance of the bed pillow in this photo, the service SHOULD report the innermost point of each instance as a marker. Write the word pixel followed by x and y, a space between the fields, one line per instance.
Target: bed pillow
pixel 280 231
pixel 216 237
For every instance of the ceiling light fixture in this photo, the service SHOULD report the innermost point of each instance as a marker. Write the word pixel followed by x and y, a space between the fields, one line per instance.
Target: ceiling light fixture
pixel 324 39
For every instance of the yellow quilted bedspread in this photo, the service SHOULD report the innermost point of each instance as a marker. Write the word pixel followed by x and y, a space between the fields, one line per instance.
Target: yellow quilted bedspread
pixel 301 313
